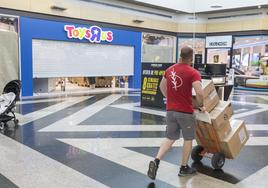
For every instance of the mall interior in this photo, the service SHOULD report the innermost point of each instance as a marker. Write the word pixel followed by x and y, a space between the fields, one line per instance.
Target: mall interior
pixel 81 105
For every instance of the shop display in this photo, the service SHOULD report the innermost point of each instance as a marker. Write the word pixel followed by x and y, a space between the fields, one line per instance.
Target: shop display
pixel 248 53
pixel 198 45
pixel 261 83
pixel 152 74
pixel 88 81
pixel 104 81
pixel 158 48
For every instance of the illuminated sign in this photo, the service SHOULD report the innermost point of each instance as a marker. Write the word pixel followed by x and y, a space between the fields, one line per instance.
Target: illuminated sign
pixel 94 34
pixel 219 41
pixel 222 44
pixel 152 74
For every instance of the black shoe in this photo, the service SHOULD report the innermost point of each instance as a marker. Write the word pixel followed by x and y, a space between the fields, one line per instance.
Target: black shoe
pixel 186 170
pixel 152 170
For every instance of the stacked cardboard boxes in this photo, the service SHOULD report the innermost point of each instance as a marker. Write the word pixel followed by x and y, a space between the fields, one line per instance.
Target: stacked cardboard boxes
pixel 211 98
pixel 230 134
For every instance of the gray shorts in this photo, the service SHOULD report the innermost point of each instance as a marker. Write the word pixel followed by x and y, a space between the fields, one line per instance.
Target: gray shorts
pixel 178 121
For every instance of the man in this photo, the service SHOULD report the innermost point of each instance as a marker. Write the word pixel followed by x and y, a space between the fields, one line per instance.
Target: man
pixel 176 86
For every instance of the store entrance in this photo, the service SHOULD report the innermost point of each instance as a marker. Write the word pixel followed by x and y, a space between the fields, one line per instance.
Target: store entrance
pixel 60 66
pixel 78 84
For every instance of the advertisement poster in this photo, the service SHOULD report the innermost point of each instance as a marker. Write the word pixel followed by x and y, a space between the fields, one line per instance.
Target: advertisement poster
pixel 152 74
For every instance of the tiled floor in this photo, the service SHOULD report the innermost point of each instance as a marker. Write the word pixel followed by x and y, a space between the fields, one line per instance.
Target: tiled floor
pixel 107 140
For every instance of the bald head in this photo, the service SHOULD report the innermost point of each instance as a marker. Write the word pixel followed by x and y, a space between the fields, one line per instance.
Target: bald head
pixel 186 54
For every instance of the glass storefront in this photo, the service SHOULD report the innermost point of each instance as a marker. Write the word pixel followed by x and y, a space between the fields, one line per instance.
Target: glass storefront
pixel 218 56
pixel 158 48
pixel 198 44
pixel 248 53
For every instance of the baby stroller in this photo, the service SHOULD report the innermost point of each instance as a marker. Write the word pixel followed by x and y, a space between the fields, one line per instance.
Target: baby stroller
pixel 11 94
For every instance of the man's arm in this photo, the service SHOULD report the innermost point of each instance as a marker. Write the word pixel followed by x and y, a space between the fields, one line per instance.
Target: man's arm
pixel 163 86
pixel 199 94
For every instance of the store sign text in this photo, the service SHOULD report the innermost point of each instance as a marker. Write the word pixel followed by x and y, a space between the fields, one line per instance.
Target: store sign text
pixel 94 34
pixel 218 44
pixel 219 41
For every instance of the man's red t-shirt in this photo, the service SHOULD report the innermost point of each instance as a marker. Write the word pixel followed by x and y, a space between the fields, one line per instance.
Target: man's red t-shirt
pixel 179 87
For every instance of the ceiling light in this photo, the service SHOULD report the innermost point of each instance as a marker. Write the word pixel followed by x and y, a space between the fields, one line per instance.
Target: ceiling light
pixel 56 7
pixel 138 21
pixel 216 6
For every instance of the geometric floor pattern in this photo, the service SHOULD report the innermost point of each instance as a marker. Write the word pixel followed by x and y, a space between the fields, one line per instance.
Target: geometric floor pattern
pixel 107 140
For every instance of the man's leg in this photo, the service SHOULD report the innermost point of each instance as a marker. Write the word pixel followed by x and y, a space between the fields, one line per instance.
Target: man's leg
pixel 165 146
pixel 172 134
pixel 187 123
pixel 187 149
pixel 153 165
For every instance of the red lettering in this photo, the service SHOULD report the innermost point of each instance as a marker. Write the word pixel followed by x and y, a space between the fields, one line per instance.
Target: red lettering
pixel 88 34
pixel 109 36
pixel 69 29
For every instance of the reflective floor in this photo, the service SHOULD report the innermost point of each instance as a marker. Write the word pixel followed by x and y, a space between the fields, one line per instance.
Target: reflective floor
pixel 107 140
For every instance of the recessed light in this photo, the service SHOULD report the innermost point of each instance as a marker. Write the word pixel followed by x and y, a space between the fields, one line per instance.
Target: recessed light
pixel 216 6
pixel 56 7
pixel 138 21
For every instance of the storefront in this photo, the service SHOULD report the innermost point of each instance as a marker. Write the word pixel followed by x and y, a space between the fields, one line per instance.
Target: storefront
pixel 198 44
pixel 248 53
pixel 9 49
pixel 218 49
pixel 158 53
pixel 51 49
pixel 158 48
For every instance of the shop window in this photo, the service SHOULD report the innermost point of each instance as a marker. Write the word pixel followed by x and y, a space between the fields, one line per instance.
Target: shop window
pixel 198 44
pixel 248 51
pixel 9 52
pixel 218 56
pixel 158 48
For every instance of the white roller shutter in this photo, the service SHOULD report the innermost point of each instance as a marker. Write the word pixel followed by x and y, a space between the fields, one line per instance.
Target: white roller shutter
pixel 70 59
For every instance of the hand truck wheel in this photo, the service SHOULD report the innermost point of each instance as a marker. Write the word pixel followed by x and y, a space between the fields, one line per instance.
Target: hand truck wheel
pixel 218 160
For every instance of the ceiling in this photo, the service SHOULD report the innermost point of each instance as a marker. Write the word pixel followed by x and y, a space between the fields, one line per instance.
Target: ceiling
pixel 201 6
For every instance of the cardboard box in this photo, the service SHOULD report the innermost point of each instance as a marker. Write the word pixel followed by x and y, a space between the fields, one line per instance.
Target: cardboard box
pixel 221 114
pixel 221 133
pixel 211 101
pixel 204 130
pixel 211 98
pixel 237 138
pixel 224 131
pixel 208 87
